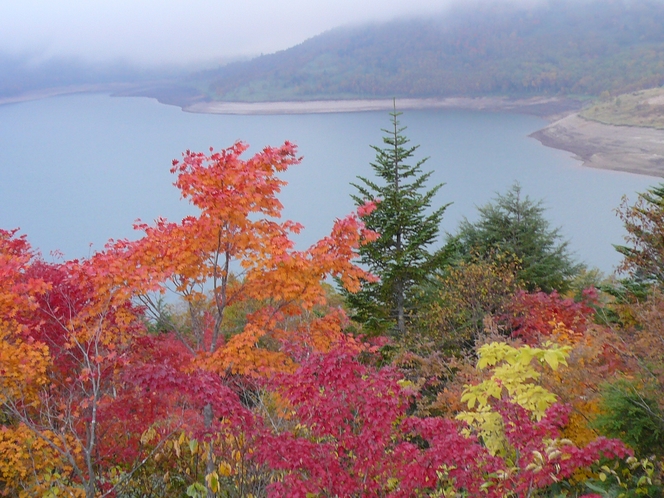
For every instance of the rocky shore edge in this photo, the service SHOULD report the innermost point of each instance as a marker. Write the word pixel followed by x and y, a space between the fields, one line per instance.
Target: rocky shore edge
pixel 620 148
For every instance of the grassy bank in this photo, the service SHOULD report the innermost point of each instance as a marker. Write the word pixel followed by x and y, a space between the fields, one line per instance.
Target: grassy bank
pixel 644 108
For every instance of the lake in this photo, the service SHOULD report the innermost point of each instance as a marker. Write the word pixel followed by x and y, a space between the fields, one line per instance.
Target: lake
pixel 78 170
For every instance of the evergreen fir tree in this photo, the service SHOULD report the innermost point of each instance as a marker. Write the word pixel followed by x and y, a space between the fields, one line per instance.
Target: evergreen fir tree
pixel 407 228
pixel 644 222
pixel 642 268
pixel 513 227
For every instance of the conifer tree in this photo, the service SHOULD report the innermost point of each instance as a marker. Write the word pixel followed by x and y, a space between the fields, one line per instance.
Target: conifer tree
pixel 642 268
pixel 644 222
pixel 400 257
pixel 513 227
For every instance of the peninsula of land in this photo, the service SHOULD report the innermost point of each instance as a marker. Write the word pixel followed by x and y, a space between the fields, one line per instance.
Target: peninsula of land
pixel 624 133
pixel 622 148
pixel 45 93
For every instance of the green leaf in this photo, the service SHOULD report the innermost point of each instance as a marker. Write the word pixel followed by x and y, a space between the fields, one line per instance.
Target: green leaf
pixel 196 490
pixel 596 488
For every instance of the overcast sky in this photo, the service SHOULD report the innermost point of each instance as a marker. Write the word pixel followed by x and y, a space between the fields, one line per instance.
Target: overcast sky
pixel 180 31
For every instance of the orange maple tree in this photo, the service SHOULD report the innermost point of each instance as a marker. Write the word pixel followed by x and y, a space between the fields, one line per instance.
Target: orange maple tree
pixel 237 252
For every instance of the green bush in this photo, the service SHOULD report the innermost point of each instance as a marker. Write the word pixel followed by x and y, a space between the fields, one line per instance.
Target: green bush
pixel 633 415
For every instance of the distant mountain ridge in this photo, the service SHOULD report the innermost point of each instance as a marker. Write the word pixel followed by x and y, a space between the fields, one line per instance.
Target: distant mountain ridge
pixel 558 48
pixel 562 48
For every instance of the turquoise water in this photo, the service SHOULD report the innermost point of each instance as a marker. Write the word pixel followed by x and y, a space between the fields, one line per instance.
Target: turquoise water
pixel 79 170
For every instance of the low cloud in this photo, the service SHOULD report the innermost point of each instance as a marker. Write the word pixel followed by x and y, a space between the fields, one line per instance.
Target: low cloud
pixel 176 32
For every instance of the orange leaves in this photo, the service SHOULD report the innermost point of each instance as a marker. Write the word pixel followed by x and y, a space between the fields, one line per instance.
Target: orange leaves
pixel 236 250
pixel 61 336
pixel 23 365
pixel 17 292
pixel 319 334
pixel 367 208
pixel 234 197
pixel 336 252
pixel 23 361
pixel 254 305
pixel 28 464
pixel 225 187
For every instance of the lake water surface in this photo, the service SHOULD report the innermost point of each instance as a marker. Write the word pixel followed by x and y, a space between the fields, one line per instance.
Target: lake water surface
pixel 78 170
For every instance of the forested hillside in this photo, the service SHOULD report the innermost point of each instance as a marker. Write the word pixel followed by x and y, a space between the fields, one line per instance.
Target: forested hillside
pixel 559 47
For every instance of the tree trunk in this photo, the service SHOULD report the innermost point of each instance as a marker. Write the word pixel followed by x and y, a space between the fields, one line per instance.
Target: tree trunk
pixel 401 319
pixel 208 415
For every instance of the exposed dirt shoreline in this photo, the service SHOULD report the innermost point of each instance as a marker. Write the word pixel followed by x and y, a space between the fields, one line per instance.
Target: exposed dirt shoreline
pixel 539 106
pixel 620 148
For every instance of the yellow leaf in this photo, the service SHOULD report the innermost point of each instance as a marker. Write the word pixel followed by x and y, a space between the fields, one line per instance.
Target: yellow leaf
pixel 212 481
pixel 470 398
pixel 225 469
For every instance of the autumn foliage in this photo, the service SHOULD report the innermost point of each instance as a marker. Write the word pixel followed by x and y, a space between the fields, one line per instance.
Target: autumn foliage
pixel 530 316
pixel 206 358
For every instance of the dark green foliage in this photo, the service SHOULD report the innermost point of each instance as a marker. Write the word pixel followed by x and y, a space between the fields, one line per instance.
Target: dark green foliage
pixel 407 228
pixel 161 319
pixel 513 227
pixel 629 478
pixel 642 267
pixel 624 293
pixel 560 47
pixel 630 414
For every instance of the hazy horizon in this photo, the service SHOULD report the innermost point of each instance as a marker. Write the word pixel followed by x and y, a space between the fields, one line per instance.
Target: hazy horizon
pixel 197 33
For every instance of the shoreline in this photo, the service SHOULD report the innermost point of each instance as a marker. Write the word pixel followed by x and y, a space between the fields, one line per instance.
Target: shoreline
pixel 618 148
pixel 629 149
pixel 539 106
pixel 47 93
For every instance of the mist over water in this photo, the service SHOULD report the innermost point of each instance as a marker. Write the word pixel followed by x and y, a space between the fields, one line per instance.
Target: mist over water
pixel 79 170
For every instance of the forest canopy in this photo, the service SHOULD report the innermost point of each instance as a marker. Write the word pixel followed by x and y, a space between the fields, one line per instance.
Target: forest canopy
pixel 548 48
